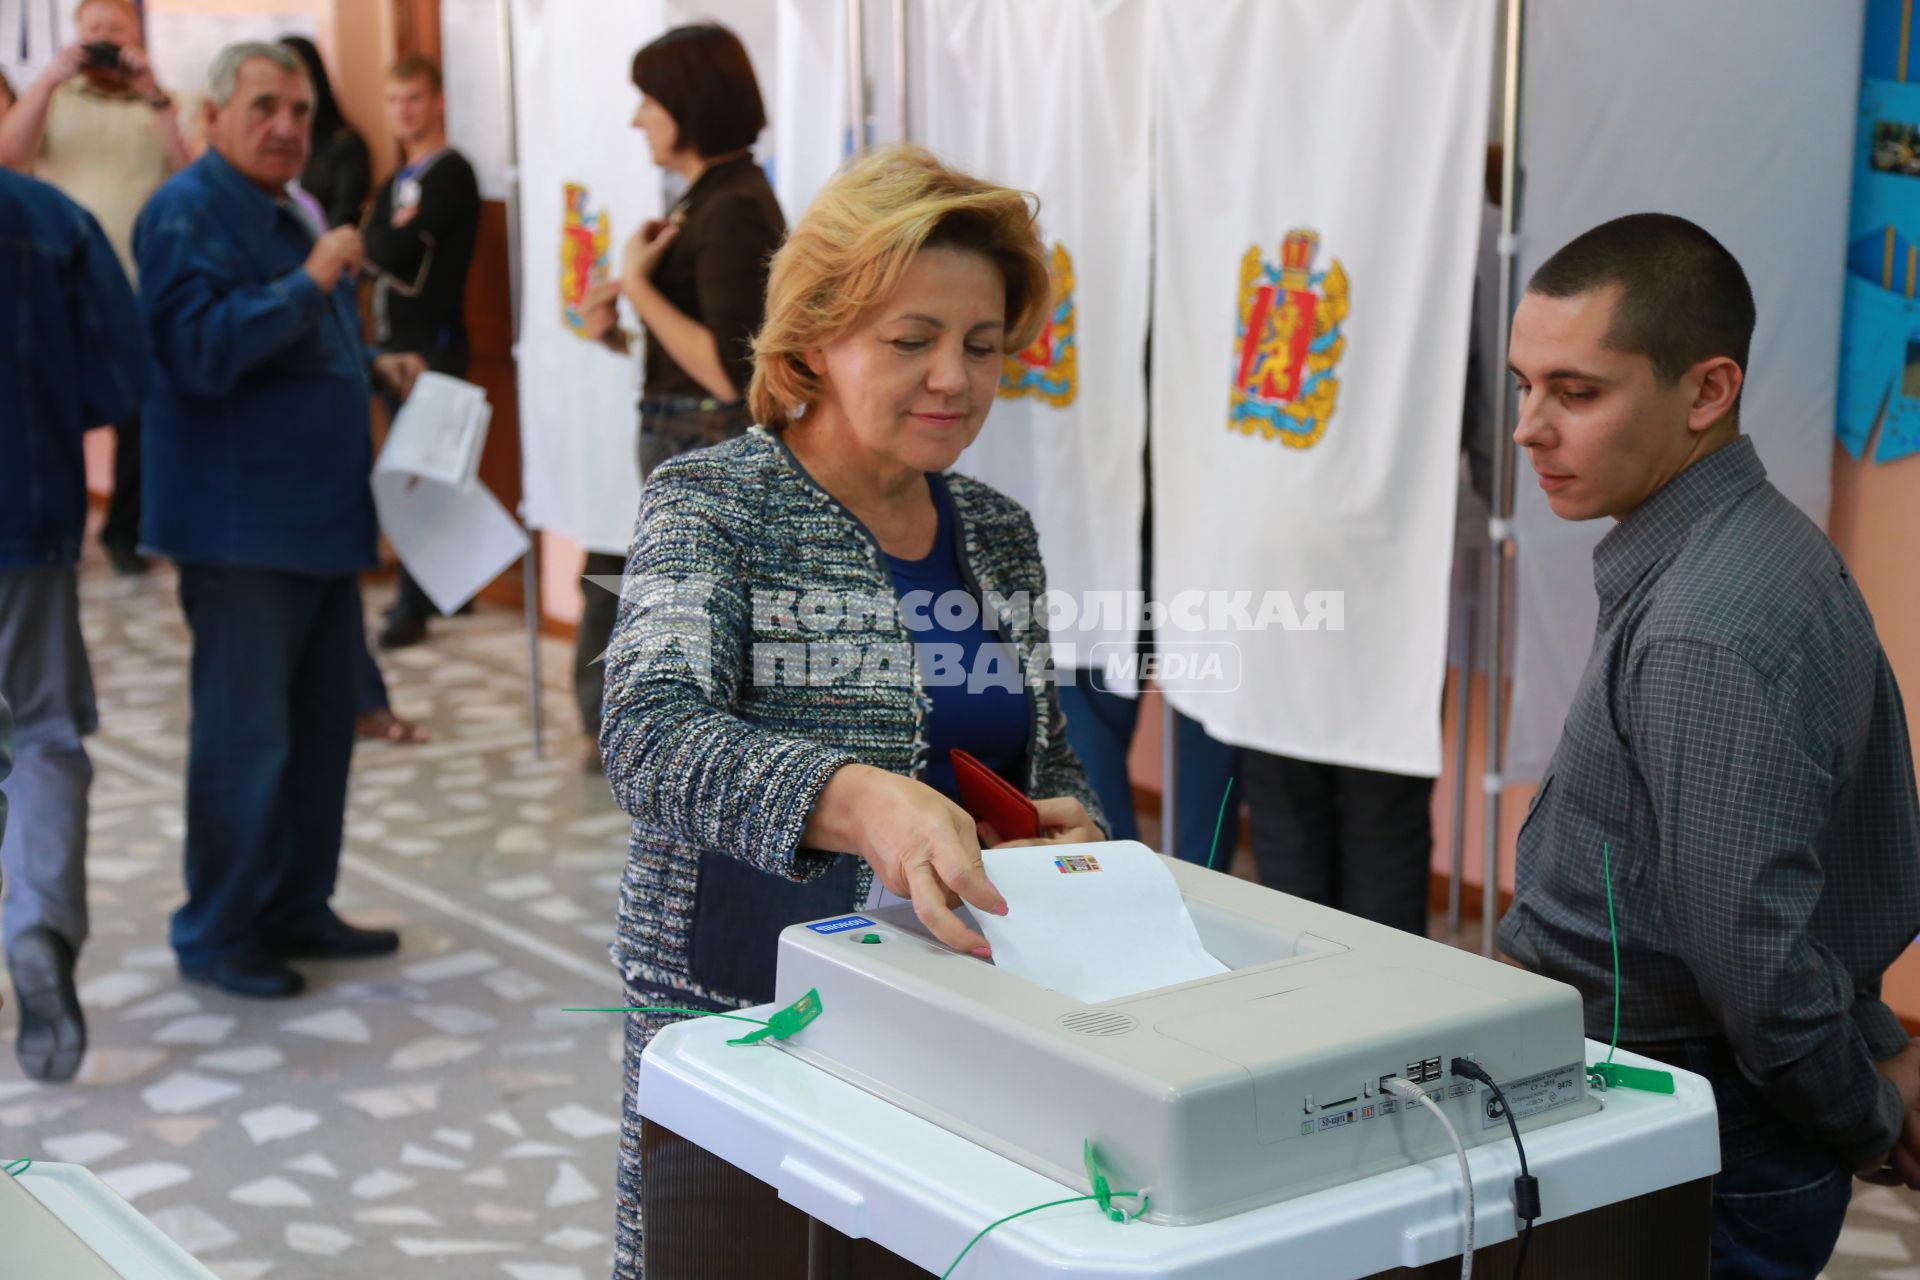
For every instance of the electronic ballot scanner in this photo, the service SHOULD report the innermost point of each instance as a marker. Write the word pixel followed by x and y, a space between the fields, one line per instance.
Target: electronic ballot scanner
pixel 1262 1078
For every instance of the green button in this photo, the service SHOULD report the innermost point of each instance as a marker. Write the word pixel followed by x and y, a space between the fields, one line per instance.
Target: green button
pixel 871 937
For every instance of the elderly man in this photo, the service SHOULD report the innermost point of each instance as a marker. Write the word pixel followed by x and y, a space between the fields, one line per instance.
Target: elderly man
pixel 81 360
pixel 96 125
pixel 259 448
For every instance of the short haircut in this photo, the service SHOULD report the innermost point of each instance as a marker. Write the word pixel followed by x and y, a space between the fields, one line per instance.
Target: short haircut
pixel 1683 297
pixel 418 66
pixel 854 243
pixel 224 76
pixel 702 77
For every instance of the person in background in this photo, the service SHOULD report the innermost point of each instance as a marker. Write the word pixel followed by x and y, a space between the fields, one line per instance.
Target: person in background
pixel 339 173
pixel 420 235
pixel 697 279
pixel 258 485
pixel 82 360
pixel 1729 819
pixel 1357 839
pixel 98 126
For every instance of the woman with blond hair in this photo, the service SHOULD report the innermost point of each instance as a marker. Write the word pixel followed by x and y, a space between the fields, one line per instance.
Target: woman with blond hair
pixel 817 613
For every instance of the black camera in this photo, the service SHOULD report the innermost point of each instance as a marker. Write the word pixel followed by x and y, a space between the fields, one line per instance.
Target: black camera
pixel 103 55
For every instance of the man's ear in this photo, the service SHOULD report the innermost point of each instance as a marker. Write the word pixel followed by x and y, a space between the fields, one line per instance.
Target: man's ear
pixel 1719 380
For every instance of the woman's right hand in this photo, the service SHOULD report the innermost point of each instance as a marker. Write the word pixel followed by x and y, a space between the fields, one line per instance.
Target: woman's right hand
pixel 920 845
pixel 599 309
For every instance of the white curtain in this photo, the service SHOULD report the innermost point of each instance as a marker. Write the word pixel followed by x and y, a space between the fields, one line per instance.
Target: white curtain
pixel 586 183
pixel 810 112
pixel 1047 98
pixel 1317 204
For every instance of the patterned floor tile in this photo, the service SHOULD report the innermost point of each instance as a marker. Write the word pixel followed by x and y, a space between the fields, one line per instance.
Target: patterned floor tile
pixel 365 1127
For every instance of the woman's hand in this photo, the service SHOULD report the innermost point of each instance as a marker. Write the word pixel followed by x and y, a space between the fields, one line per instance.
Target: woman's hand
pixel 644 251
pixel 920 844
pixel 599 309
pixel 1063 820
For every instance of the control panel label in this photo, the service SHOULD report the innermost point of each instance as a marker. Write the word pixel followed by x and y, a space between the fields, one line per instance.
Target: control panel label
pixel 841 925
pixel 1533 1095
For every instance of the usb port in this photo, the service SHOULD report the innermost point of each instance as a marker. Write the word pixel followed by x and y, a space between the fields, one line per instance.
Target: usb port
pixel 1429 1070
pixel 1413 1072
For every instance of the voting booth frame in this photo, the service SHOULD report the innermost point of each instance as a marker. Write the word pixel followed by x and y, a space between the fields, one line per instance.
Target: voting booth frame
pixel 705 1217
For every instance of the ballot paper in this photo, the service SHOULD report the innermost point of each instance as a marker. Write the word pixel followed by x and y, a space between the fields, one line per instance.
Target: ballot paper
pixel 451 533
pixel 439 432
pixel 1092 921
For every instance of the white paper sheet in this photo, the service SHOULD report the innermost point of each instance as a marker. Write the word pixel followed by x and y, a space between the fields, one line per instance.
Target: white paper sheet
pixel 439 432
pixel 451 533
pixel 1092 921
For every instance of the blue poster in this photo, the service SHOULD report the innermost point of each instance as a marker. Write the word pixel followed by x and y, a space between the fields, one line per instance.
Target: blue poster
pixel 1880 346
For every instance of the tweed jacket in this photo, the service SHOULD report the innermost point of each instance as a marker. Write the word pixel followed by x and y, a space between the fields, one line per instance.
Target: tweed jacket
pixel 758 650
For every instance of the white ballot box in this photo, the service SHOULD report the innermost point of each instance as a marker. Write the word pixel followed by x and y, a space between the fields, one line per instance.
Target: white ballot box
pixel 935 1093
pixel 58 1220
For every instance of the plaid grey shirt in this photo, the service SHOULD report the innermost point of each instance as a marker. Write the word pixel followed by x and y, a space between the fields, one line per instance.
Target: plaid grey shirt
pixel 1739 744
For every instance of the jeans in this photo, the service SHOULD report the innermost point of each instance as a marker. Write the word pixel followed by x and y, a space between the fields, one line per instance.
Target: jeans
pixel 268 754
pixel 1100 726
pixel 1779 1201
pixel 45 678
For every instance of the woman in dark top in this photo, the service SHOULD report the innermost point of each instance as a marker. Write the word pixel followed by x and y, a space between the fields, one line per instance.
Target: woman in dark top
pixel 697 279
pixel 339 171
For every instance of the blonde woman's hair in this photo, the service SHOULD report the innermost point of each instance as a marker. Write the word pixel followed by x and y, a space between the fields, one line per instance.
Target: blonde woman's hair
pixel 858 238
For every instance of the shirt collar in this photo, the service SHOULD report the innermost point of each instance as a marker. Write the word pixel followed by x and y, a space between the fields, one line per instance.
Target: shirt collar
pixel 261 210
pixel 1651 536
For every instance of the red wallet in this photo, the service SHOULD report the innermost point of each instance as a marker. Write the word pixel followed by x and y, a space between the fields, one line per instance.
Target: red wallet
pixel 991 799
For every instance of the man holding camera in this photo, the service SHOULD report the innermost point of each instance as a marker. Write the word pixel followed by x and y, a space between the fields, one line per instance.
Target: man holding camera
pixel 96 125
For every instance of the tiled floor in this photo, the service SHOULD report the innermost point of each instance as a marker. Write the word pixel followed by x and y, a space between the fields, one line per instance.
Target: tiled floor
pixel 436 1114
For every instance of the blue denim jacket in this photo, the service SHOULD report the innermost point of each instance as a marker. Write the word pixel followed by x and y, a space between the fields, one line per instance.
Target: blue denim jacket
pixel 72 356
pixel 258 437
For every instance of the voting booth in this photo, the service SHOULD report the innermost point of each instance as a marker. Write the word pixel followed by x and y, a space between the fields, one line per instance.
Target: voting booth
pixel 1265 1112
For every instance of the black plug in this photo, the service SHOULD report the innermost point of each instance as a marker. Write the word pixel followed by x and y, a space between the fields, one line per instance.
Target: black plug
pixel 1526 1197
pixel 1471 1070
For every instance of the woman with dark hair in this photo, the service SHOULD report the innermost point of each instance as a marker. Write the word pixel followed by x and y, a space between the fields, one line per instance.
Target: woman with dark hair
pixel 696 278
pixel 339 171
